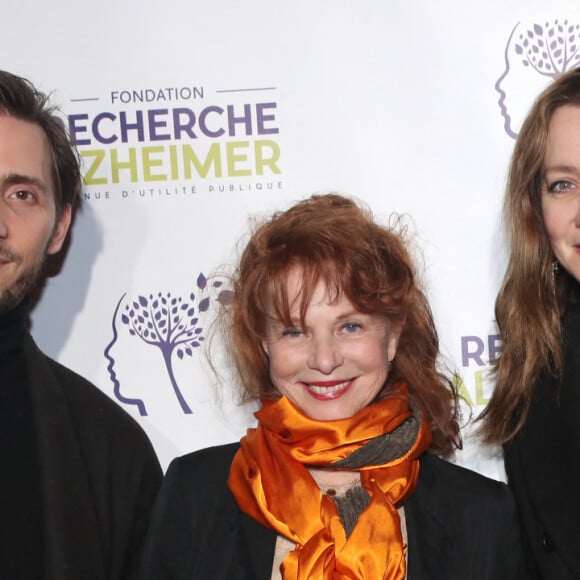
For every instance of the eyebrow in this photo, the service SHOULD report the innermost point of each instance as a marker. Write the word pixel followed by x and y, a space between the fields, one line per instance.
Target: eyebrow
pixel 349 314
pixel 15 178
pixel 562 169
pixel 340 318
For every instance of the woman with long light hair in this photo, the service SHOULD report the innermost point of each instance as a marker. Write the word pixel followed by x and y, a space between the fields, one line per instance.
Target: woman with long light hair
pixel 535 409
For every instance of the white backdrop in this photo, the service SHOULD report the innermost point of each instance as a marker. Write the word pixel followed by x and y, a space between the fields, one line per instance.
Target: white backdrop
pixel 193 116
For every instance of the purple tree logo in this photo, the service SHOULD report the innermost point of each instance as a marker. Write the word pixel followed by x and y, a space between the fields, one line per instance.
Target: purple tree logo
pixel 534 55
pixel 171 323
pixel 550 49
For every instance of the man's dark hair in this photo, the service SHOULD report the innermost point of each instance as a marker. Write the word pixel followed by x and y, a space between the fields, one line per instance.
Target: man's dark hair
pixel 21 100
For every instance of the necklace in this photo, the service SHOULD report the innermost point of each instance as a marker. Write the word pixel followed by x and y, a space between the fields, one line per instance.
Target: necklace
pixel 334 489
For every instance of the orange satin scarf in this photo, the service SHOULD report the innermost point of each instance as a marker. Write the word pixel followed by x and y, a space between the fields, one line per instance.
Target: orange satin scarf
pixel 271 484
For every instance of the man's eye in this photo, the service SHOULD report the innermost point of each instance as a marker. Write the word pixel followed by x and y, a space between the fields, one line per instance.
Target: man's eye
pixel 23 195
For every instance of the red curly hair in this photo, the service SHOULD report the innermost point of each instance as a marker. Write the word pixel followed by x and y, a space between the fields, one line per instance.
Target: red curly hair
pixel 332 239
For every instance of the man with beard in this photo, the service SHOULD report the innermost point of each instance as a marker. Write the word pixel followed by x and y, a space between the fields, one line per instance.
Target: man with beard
pixel 79 476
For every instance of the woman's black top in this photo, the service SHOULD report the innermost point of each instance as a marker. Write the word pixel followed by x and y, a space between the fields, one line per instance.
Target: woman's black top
pixel 543 468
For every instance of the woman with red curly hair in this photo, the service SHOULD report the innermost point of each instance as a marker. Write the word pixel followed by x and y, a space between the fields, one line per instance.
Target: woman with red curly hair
pixel 340 479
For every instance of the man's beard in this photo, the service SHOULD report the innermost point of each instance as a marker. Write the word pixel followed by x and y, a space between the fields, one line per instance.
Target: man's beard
pixel 12 296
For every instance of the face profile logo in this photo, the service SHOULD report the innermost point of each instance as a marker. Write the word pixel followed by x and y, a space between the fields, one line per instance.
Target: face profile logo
pixel 535 54
pixel 169 323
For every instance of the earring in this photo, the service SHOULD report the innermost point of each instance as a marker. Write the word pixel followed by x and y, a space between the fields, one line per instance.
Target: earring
pixel 555 270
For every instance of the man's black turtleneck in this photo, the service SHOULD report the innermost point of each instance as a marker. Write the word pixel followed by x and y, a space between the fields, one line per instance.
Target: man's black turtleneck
pixel 21 529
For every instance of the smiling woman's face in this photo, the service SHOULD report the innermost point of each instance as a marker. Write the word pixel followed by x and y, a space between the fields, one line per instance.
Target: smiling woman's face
pixel 337 363
pixel 561 187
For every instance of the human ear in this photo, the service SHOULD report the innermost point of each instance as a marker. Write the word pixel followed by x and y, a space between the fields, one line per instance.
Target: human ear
pixel 393 336
pixel 60 230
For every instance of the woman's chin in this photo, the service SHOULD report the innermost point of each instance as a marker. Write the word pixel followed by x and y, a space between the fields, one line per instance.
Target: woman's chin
pixel 328 411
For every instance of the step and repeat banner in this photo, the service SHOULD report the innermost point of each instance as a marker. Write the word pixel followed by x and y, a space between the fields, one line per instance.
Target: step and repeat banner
pixel 195 118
